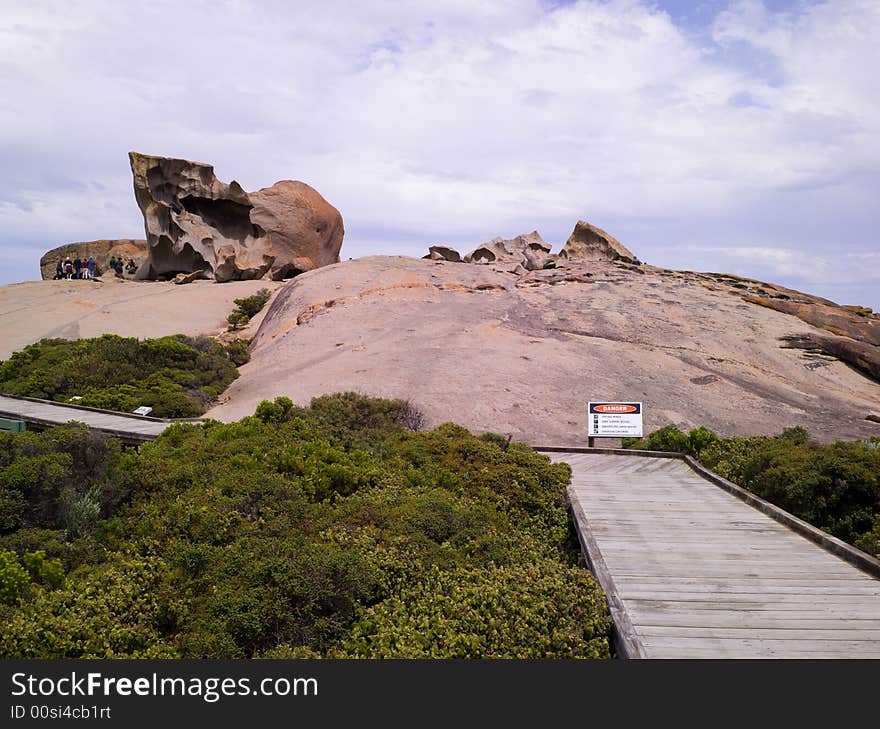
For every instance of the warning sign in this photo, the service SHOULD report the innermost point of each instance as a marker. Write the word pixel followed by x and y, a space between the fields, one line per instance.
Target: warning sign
pixel 614 420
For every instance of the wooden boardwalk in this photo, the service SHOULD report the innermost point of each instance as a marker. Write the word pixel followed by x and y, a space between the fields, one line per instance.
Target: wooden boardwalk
pixel 692 571
pixel 42 414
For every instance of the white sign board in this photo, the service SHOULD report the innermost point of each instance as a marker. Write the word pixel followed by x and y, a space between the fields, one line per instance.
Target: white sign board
pixel 143 410
pixel 614 420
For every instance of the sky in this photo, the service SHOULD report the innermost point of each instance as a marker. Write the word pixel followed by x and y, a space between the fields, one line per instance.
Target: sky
pixel 728 135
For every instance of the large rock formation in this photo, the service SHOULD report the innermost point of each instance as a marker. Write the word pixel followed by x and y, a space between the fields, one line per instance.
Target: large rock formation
pixel 196 222
pixel 523 353
pixel 101 250
pixel 589 243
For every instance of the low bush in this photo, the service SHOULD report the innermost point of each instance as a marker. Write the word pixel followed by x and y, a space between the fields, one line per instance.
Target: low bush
pixel 329 530
pixel 247 308
pixel 66 478
pixel 177 376
pixel 544 609
pixel 17 578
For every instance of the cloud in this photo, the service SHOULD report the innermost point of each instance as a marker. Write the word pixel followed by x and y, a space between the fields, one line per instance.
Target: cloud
pixel 812 269
pixel 456 121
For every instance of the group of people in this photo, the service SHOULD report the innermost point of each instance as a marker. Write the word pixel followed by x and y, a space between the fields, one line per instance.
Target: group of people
pixel 88 269
pixel 77 268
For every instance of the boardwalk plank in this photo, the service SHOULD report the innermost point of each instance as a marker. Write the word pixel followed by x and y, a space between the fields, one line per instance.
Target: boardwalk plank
pixel 702 647
pixel 700 573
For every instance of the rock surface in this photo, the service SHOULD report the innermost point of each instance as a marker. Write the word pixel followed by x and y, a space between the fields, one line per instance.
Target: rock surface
pixel 101 250
pixel 589 243
pixel 196 222
pixel 523 353
pixel 34 310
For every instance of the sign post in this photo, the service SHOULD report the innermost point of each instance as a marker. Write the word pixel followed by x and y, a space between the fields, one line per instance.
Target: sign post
pixel 613 420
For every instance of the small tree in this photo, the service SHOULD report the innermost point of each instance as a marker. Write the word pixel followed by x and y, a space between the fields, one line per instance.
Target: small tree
pixel 247 309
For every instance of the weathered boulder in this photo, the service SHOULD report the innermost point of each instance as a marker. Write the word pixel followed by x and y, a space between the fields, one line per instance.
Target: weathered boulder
pixel 536 261
pixel 590 243
pixel 101 250
pixel 195 222
pixel 513 250
pixel 443 253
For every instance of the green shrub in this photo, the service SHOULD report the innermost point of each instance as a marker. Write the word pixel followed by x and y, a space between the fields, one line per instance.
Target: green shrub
pixel 237 351
pixel 274 412
pixel 65 478
pixel 699 439
pixel 306 532
pixel 237 320
pixel 49 572
pixel 117 610
pixel 17 577
pixel 247 308
pixel 667 438
pixel 671 439
pixel 14 579
pixel 177 376
pixel 543 610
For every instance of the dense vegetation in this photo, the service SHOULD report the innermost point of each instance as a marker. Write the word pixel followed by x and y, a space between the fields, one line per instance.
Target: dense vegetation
pixel 177 376
pixel 836 487
pixel 327 531
pixel 247 308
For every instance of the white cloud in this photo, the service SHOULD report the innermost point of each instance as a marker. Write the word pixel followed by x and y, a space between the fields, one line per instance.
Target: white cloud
pixel 454 120
pixel 798 265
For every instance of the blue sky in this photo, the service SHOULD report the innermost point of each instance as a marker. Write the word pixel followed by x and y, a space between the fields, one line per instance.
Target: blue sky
pixel 732 135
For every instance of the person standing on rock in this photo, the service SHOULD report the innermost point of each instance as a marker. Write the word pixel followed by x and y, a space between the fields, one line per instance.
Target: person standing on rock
pixel 77 267
pixel 90 267
pixel 112 263
pixel 68 268
pixel 59 270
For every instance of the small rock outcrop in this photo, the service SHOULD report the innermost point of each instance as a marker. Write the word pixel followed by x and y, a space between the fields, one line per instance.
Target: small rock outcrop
pixel 589 243
pixel 825 315
pixel 861 355
pixel 101 250
pixel 530 252
pixel 443 253
pixel 185 278
pixel 513 250
pixel 194 222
